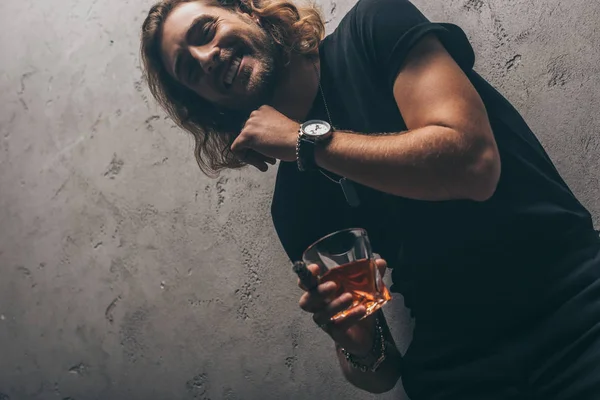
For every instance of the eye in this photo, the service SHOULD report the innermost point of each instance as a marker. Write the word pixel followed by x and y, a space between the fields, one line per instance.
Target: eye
pixel 211 30
pixel 205 34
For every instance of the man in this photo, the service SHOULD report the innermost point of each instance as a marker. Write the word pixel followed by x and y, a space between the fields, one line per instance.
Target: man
pixel 494 255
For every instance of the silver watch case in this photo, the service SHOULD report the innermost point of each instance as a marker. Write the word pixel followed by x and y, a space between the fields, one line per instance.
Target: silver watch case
pixel 316 130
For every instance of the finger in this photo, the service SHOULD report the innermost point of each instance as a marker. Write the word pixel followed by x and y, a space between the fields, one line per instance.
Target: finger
pixel 256 157
pixel 381 266
pixel 339 304
pixel 352 317
pixel 239 146
pixel 258 165
pixel 262 167
pixel 253 158
pixel 316 300
pixel 266 159
pixel 314 269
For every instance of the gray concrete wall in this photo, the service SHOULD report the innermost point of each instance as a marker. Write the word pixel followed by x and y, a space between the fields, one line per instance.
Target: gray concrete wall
pixel 126 274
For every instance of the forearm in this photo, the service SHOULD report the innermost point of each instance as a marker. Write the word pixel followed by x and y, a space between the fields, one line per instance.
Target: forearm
pixel 386 376
pixel 431 163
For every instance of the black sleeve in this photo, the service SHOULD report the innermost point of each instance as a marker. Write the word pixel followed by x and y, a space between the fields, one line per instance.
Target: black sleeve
pixel 388 29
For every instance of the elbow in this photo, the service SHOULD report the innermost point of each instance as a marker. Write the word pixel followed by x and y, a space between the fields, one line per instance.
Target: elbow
pixel 376 388
pixel 383 388
pixel 378 383
pixel 484 174
pixel 375 383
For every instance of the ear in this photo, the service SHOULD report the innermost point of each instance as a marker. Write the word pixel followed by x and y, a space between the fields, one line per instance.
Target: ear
pixel 245 7
pixel 251 17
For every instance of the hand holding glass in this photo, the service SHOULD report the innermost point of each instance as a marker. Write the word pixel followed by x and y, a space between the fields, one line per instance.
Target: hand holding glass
pixel 345 257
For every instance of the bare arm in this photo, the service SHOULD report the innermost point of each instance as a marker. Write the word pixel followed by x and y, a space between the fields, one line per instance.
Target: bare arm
pixel 354 333
pixel 388 373
pixel 449 151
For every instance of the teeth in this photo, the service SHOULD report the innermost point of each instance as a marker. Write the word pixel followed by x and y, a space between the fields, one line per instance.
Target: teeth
pixel 232 70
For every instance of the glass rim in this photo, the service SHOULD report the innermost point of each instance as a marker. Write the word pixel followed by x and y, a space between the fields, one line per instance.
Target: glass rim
pixel 364 231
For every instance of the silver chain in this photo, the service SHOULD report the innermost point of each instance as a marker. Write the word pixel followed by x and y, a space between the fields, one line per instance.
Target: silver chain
pixel 339 182
pixel 378 350
pixel 322 94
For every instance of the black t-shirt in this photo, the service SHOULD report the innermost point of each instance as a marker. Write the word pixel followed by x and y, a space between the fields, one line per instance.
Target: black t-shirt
pixel 485 258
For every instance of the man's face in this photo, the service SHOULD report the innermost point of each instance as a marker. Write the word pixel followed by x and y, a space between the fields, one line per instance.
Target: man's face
pixel 223 56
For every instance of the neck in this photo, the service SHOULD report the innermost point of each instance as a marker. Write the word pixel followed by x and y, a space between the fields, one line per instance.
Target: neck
pixel 298 88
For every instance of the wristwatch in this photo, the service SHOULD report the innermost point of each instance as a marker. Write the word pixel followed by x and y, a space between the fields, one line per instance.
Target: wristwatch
pixel 311 134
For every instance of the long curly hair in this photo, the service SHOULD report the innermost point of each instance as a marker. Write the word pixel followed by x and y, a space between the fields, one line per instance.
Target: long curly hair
pixel 294 30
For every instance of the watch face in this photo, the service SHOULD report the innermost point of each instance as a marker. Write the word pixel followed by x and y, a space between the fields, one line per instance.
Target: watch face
pixel 316 128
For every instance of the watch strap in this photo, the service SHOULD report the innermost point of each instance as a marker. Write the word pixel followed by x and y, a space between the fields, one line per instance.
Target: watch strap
pixel 306 154
pixel 306 145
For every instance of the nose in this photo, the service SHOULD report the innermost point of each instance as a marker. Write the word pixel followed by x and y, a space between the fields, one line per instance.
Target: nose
pixel 206 56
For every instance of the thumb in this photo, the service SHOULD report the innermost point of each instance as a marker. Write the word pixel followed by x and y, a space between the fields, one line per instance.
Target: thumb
pixel 381 264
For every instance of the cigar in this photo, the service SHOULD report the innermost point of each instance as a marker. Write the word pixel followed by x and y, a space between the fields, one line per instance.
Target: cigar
pixel 307 279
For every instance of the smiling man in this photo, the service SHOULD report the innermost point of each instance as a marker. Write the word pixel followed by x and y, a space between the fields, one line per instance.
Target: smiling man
pixel 238 74
pixel 384 125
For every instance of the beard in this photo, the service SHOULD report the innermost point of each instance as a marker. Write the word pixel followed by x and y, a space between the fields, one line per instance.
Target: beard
pixel 261 85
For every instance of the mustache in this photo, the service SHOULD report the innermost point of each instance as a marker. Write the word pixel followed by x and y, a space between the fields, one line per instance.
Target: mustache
pixel 226 55
pixel 194 69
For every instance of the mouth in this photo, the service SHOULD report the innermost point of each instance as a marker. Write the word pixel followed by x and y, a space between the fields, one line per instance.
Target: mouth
pixel 232 71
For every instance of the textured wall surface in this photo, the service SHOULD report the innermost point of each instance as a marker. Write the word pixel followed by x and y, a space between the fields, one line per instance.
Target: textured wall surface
pixel 126 274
